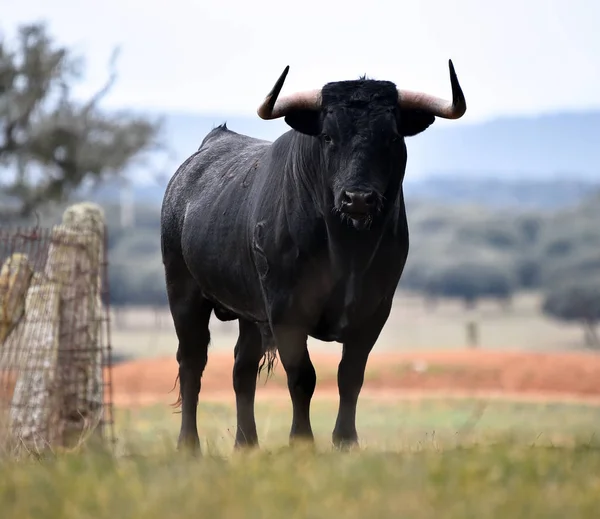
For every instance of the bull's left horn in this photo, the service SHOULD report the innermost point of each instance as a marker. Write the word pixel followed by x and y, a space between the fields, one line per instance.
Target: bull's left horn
pixel 439 107
pixel 272 108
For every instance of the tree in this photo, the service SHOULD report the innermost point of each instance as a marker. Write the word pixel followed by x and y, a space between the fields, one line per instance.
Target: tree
pixel 577 301
pixel 471 281
pixel 52 143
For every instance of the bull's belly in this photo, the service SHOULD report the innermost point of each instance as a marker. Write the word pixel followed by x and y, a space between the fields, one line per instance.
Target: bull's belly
pixel 326 334
pixel 336 323
pixel 234 303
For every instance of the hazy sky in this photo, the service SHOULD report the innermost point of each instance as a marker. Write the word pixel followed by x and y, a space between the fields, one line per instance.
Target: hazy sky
pixel 222 56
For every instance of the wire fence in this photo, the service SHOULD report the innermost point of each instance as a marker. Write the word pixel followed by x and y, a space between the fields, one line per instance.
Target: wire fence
pixel 55 354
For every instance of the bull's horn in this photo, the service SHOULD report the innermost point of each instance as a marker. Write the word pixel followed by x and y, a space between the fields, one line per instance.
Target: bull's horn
pixel 439 107
pixel 271 108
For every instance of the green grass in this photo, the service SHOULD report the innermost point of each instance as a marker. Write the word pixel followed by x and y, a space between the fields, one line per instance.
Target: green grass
pixel 381 424
pixel 422 459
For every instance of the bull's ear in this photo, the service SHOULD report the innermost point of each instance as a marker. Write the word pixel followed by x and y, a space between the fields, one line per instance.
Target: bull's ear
pixel 413 122
pixel 305 121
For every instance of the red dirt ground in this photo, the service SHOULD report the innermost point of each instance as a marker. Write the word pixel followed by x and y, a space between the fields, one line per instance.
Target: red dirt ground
pixel 514 374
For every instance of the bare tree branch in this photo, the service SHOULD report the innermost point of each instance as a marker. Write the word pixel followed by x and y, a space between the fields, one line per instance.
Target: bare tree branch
pixel 112 78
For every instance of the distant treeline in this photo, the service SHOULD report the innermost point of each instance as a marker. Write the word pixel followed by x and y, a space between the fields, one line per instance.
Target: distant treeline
pixel 455 250
pixel 501 249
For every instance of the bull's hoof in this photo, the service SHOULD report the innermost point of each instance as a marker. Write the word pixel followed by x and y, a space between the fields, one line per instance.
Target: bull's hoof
pixel 302 442
pixel 189 446
pixel 243 445
pixel 345 444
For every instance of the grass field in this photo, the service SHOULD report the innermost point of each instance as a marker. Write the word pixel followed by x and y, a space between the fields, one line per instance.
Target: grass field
pixel 411 326
pixel 422 459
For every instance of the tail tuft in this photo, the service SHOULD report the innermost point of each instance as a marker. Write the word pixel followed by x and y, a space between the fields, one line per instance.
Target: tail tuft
pixel 177 403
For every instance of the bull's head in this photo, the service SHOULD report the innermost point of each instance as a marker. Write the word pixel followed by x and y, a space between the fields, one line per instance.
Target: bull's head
pixel 360 127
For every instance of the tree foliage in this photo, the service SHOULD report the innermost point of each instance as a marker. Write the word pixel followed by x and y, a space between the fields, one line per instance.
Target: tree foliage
pixel 51 142
pixel 470 282
pixel 578 301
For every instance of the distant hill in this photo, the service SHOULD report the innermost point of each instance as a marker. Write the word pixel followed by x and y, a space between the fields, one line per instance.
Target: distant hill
pixel 513 193
pixel 543 161
pixel 564 146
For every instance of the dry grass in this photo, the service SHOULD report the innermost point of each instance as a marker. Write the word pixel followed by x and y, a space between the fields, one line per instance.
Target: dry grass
pixel 484 482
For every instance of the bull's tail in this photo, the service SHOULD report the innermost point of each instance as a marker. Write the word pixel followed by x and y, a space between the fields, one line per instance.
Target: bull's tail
pixel 269 357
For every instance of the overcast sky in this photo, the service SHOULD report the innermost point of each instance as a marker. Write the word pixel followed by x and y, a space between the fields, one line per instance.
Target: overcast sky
pixel 222 56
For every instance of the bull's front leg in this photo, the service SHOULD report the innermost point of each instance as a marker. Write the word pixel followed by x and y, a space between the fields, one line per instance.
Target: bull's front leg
pixel 301 378
pixel 351 374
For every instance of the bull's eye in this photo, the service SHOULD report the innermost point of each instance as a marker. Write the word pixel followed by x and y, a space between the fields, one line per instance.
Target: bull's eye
pixel 327 138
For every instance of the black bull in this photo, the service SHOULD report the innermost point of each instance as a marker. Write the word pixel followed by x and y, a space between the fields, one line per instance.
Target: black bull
pixel 304 236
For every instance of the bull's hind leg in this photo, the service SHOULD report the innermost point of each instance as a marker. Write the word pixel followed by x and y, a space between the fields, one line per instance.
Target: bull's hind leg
pixel 248 352
pixel 191 314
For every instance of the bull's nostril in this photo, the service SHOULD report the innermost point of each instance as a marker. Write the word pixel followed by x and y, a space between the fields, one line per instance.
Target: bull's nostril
pixel 358 201
pixel 347 198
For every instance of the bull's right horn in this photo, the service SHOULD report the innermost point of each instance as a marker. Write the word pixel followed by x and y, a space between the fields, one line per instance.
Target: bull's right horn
pixel 272 108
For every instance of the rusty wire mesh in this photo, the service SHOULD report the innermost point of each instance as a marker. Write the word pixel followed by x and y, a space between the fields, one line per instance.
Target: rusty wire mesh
pixel 55 354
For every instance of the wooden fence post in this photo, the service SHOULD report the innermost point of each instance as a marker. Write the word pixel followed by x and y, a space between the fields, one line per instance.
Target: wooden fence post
pixel 75 261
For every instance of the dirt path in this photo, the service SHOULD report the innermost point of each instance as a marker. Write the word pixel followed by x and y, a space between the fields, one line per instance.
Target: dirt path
pixel 573 376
